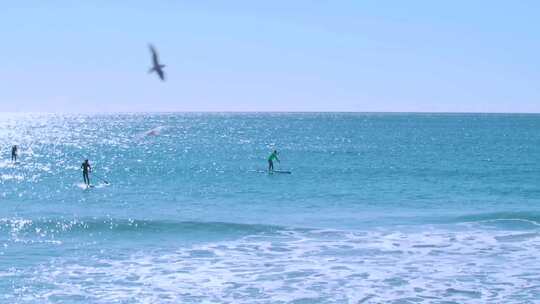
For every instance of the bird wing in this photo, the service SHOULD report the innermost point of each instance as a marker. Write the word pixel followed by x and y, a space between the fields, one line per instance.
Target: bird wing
pixel 155 59
pixel 161 74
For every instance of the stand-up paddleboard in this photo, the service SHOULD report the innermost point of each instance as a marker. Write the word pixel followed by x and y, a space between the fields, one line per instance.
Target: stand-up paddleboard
pixel 272 172
pixel 281 172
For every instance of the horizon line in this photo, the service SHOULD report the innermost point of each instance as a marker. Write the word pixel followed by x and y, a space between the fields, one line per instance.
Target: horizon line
pixel 270 112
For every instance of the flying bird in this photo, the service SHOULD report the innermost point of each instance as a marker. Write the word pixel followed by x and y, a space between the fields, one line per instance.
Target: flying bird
pixel 156 66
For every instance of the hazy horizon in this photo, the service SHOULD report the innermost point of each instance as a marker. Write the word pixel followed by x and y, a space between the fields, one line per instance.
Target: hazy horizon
pixel 270 112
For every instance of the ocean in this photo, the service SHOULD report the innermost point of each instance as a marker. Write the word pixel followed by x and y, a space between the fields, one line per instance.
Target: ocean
pixel 379 208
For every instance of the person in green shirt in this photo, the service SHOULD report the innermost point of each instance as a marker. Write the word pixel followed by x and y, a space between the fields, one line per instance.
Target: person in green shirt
pixel 271 159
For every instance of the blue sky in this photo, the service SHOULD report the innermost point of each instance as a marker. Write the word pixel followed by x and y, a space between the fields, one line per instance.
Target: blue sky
pixel 319 55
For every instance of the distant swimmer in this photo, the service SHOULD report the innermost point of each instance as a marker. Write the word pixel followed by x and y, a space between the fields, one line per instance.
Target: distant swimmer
pixel 271 158
pixel 86 169
pixel 156 66
pixel 14 150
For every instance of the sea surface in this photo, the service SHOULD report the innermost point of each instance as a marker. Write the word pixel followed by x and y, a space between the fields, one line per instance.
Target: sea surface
pixel 379 208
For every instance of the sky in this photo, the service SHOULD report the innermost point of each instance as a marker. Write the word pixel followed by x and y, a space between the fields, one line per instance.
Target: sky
pixel 318 55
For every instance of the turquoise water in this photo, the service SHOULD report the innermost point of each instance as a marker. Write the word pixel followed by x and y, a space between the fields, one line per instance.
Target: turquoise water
pixel 379 208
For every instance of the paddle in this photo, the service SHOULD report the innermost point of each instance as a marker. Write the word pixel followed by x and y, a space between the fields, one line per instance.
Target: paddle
pixel 101 178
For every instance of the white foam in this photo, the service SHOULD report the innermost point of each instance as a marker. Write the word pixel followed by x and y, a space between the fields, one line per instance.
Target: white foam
pixel 535 223
pixel 81 185
pixel 314 266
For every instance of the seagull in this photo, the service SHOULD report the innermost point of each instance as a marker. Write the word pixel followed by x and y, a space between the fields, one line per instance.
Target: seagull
pixel 157 67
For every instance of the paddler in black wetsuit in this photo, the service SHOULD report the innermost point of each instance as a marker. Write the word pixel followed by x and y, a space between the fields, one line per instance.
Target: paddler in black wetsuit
pixel 14 153
pixel 86 169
